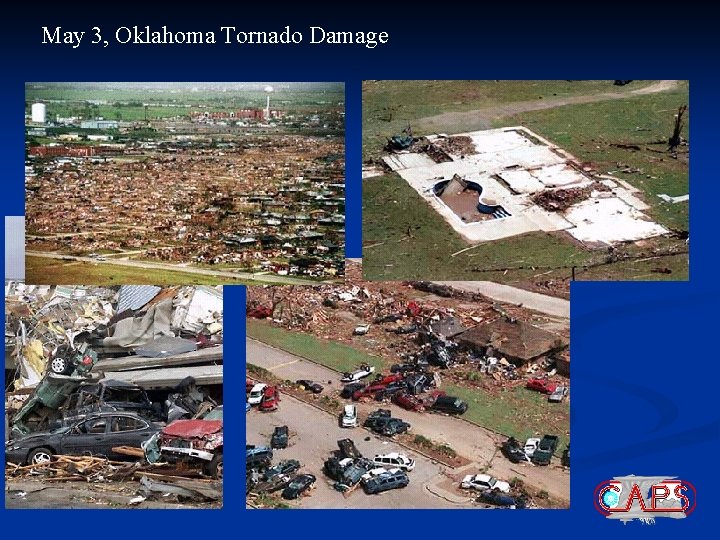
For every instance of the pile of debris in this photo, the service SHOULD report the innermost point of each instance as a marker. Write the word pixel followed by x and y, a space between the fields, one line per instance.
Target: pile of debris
pixel 460 145
pixel 558 200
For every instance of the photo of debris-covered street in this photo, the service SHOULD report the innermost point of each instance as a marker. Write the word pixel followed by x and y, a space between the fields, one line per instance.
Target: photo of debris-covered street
pixel 530 183
pixel 184 183
pixel 411 394
pixel 113 396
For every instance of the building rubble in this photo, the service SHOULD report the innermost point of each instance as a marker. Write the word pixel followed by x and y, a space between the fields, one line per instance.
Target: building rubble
pixel 110 361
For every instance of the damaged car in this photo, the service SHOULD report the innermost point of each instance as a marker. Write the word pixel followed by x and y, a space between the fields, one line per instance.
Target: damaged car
pixel 299 486
pixel 96 435
pixel 104 396
pixel 194 441
pixel 365 370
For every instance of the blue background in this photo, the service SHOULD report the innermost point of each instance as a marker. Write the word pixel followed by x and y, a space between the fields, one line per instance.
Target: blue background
pixel 644 382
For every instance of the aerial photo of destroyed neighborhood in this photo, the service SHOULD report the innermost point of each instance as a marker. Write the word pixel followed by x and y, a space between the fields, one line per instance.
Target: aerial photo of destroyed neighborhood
pixel 184 183
pixel 113 396
pixel 404 395
pixel 534 183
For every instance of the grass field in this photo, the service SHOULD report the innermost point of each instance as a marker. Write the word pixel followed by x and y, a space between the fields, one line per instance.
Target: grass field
pixel 519 412
pixel 516 412
pixel 389 106
pixel 404 238
pixel 334 355
pixel 40 270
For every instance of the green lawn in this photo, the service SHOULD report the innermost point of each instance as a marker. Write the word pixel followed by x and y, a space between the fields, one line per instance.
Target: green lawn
pixel 40 270
pixel 389 106
pixel 518 412
pixel 336 356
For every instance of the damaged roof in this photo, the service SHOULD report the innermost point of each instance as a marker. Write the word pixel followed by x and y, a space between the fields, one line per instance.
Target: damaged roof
pixel 513 338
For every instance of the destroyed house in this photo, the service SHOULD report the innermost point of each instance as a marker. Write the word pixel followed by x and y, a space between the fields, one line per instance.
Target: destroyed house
pixel 517 341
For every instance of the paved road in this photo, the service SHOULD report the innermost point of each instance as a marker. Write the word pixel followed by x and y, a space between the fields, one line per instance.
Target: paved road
pixel 245 276
pixel 313 437
pixel 469 440
pixel 482 118
pixel 550 305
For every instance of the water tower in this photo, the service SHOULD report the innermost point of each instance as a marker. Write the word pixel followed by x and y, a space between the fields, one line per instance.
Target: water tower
pixel 268 90
pixel 38 113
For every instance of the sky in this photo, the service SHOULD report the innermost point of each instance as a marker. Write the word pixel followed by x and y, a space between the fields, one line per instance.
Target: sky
pixel 15 247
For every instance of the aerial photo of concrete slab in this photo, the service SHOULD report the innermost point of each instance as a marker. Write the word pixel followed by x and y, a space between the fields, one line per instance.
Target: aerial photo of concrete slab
pixel 589 181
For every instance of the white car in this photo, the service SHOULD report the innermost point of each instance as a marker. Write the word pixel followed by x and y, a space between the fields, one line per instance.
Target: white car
pixel 484 481
pixel 360 373
pixel 558 395
pixel 530 446
pixel 350 417
pixel 372 473
pixel 395 460
pixel 256 394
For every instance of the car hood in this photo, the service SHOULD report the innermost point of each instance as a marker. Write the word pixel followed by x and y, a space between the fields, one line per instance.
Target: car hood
pixel 192 428
pixel 35 436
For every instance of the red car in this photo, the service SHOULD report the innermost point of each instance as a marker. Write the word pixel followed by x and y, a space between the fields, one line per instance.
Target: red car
pixel 408 401
pixel 541 385
pixel 270 400
pixel 387 379
pixel 368 391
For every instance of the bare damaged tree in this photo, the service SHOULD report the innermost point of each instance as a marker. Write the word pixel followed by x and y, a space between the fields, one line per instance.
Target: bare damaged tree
pixel 676 139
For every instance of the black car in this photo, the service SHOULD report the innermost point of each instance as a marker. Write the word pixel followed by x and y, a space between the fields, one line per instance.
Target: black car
pixel 566 457
pixel 512 450
pixel 386 481
pixel 288 466
pixel 348 449
pixel 312 386
pixel 349 389
pixel 276 483
pixel 353 474
pixel 389 426
pixel 545 450
pixel 450 405
pixel 376 417
pixel 497 498
pixel 96 435
pixel 258 457
pixel 298 486
pixel 279 437
pixel 334 467
pixel 106 396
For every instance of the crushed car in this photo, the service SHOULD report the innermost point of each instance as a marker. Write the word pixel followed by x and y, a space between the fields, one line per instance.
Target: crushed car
pixel 396 479
pixel 193 441
pixel 299 485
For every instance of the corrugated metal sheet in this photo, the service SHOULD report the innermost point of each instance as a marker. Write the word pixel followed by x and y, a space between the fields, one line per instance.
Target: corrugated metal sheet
pixel 136 296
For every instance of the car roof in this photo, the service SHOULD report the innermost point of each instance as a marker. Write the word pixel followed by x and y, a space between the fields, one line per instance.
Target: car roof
pixel 391 455
pixel 258 387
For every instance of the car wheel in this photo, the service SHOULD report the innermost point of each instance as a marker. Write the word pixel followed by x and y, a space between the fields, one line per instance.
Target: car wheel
pixel 59 365
pixel 214 467
pixel 40 456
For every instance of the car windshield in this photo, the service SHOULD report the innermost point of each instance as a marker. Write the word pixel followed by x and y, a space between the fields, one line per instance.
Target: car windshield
pixel 125 395
pixel 492 482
